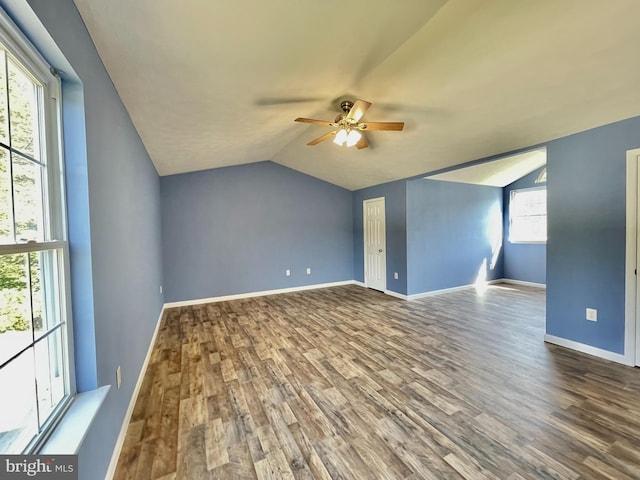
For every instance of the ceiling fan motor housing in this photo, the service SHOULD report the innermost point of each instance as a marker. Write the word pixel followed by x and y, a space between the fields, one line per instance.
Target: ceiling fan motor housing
pixel 346 106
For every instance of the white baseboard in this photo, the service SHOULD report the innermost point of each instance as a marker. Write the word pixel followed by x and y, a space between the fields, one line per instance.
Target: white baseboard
pixel 262 293
pixel 416 296
pixel 588 349
pixel 391 293
pixel 522 282
pixel 132 403
pixel 396 294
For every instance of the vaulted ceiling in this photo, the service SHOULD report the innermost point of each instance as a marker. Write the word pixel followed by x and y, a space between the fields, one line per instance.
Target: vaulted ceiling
pixel 211 83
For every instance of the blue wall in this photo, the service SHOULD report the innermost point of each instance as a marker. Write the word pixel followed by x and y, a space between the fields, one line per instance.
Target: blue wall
pixel 454 234
pixel 586 201
pixel 523 261
pixel 235 230
pixel 114 223
pixel 395 195
pixel 423 215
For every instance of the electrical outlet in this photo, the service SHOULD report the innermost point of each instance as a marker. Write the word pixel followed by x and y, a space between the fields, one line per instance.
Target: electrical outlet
pixel 592 314
pixel 308 270
pixel 395 275
pixel 287 272
pixel 119 376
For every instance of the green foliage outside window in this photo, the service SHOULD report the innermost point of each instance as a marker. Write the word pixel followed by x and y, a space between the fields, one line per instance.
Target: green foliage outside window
pixel 19 204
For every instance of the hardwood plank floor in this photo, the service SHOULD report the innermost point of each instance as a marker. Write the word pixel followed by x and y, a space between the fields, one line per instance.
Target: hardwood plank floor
pixel 349 383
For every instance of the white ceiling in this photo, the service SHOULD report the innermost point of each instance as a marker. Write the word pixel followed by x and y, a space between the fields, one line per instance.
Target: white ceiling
pixel 497 173
pixel 211 83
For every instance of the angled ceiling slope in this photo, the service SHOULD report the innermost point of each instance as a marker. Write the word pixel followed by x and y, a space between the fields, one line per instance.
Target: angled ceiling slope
pixel 212 84
pixel 497 173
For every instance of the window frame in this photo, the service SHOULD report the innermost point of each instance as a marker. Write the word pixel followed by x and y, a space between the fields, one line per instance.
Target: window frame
pixel 512 195
pixel 19 49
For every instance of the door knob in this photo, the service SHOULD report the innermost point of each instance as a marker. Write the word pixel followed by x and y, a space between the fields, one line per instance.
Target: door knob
pixel 380 250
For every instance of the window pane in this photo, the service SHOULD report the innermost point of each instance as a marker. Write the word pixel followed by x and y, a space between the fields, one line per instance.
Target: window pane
pixel 532 229
pixel 533 202
pixel 37 297
pixel 15 306
pixel 18 412
pixel 23 105
pixel 4 117
pixel 6 205
pixel 528 215
pixel 44 291
pixel 538 228
pixel 49 374
pixel 27 187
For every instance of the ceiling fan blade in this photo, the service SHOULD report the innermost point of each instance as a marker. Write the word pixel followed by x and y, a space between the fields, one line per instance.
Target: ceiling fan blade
pixel 358 110
pixel 397 126
pixel 362 143
pixel 315 122
pixel 324 137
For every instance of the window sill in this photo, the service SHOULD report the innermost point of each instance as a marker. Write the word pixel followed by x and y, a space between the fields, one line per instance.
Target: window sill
pixel 532 242
pixel 70 432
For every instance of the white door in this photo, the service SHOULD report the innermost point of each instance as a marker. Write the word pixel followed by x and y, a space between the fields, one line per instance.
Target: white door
pixel 375 257
pixel 637 256
pixel 632 261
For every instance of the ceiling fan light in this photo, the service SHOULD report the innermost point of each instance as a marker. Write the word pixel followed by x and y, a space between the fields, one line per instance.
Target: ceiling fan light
pixel 341 137
pixel 353 138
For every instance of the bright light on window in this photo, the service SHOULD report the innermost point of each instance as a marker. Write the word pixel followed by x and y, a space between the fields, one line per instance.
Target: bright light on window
pixel 528 215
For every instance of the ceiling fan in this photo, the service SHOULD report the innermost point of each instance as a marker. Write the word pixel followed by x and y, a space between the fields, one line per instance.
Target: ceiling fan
pixel 349 125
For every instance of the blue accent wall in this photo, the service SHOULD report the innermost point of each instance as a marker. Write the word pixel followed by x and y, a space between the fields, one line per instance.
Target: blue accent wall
pixel 395 195
pixel 523 261
pixel 235 230
pixel 114 210
pixel 586 201
pixel 454 234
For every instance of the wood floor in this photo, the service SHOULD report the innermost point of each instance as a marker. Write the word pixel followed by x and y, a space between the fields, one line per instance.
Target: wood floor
pixel 349 383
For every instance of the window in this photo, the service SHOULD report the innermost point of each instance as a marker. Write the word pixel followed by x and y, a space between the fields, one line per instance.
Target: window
pixel 528 215
pixel 34 323
pixel 542 176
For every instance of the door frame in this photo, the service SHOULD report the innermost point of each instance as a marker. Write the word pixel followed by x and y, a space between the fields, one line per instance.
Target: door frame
pixel 631 300
pixel 364 238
